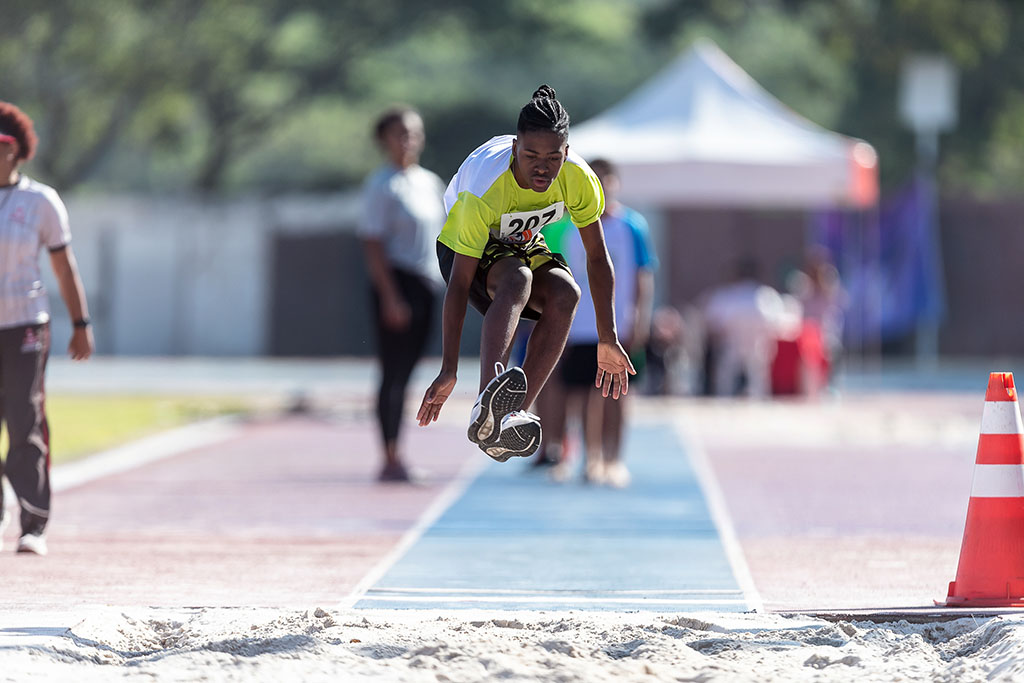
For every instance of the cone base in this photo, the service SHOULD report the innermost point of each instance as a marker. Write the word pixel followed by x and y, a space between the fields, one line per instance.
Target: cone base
pixel 953 601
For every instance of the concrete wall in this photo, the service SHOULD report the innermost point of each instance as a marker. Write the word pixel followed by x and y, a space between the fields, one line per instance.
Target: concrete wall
pixel 186 277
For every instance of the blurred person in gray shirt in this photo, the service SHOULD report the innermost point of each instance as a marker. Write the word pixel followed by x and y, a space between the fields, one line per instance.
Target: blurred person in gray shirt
pixel 32 218
pixel 402 217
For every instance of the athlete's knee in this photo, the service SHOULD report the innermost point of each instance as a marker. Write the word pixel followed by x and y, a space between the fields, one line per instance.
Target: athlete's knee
pixel 514 286
pixel 563 296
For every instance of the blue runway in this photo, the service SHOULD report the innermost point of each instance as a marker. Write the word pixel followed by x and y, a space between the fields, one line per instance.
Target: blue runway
pixel 516 541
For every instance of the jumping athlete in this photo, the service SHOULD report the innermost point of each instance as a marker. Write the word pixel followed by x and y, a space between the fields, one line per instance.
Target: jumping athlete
pixel 492 255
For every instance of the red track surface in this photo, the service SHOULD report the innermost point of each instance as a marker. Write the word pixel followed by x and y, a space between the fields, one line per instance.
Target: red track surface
pixel 288 514
pixel 850 522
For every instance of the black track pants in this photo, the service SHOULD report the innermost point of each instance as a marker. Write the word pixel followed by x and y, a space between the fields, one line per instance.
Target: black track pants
pixel 23 354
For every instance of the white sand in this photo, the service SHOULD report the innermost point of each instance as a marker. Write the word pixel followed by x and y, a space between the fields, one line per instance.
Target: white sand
pixel 331 645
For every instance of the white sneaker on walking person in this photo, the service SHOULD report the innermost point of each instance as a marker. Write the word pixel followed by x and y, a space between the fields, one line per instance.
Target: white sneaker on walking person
pixel 32 543
pixel 5 519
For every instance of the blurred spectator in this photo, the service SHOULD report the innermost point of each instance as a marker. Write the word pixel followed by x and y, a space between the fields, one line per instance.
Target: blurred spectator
pixel 744 321
pixel 667 354
pixel 603 422
pixel 32 217
pixel 805 365
pixel 403 214
pixel 550 402
pixel 823 300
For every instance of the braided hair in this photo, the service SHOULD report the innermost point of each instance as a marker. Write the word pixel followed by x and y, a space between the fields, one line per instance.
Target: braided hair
pixel 544 112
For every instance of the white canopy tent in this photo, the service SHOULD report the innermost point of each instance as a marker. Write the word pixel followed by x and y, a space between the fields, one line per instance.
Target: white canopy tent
pixel 704 133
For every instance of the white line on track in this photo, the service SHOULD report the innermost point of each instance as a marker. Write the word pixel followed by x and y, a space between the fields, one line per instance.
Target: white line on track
pixel 719 512
pixel 544 599
pixel 142 452
pixel 138 453
pixel 553 591
pixel 451 493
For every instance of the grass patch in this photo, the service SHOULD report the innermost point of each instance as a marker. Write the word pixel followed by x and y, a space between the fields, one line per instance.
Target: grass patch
pixel 84 424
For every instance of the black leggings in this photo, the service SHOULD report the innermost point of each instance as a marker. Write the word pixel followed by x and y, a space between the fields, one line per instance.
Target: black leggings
pixel 400 350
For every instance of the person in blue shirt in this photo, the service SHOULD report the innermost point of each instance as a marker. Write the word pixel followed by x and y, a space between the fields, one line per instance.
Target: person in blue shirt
pixel 629 243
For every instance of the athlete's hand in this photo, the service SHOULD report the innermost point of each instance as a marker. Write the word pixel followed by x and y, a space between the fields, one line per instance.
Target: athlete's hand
pixel 613 370
pixel 437 393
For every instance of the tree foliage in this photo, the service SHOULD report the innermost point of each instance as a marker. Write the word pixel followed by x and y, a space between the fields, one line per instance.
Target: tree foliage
pixel 227 95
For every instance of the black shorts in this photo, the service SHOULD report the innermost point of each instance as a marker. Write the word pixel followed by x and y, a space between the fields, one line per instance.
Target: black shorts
pixel 579 365
pixel 533 255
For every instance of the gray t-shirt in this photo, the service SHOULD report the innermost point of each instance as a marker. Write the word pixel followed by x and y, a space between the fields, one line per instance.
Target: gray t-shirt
pixel 32 217
pixel 404 209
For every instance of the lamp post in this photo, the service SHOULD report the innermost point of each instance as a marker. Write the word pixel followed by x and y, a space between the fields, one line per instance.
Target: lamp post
pixel 928 101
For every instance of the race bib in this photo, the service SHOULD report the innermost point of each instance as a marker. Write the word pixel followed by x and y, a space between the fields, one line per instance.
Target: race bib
pixel 522 226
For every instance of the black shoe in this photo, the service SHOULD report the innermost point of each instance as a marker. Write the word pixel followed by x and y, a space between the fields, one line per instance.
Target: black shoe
pixel 503 395
pixel 398 473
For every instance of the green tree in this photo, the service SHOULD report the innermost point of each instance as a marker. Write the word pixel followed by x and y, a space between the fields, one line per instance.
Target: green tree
pixel 223 95
pixel 80 95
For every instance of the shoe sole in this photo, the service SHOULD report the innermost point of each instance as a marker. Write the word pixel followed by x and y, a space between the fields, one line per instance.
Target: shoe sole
pixel 519 441
pixel 503 395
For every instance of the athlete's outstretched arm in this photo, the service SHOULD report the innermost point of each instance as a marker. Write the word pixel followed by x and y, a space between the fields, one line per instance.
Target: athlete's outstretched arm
pixel 454 315
pixel 613 366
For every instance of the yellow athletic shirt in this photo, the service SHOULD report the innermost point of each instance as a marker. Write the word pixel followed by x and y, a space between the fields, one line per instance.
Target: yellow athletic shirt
pixel 484 201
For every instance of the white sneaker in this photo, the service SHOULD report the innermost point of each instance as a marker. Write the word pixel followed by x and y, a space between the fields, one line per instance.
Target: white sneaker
pixel 32 543
pixel 561 472
pixel 503 395
pixel 616 475
pixel 5 519
pixel 520 435
pixel 593 473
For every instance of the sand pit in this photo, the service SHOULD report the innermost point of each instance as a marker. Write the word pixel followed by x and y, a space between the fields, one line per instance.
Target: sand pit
pixel 330 645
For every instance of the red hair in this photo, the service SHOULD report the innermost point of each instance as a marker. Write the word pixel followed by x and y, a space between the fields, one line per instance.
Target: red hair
pixel 17 124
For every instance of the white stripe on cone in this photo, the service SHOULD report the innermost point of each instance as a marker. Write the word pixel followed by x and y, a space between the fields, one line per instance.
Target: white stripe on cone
pixel 998 481
pixel 1001 417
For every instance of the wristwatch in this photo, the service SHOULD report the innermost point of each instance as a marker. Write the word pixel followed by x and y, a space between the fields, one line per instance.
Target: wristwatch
pixel 82 322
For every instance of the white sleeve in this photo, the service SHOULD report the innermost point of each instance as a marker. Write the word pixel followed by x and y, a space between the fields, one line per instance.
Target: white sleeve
pixel 374 220
pixel 54 230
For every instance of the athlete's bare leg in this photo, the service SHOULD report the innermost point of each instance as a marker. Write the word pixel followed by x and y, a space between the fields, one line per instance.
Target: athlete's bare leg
pixel 554 295
pixel 509 283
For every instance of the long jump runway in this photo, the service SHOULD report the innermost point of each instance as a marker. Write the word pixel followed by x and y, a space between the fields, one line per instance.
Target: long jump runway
pixel 515 540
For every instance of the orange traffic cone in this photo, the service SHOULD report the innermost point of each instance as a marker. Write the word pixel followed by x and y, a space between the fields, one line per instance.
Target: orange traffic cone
pixel 991 568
